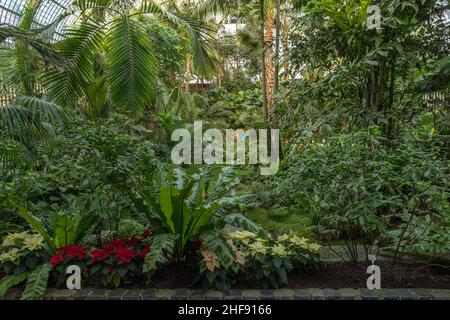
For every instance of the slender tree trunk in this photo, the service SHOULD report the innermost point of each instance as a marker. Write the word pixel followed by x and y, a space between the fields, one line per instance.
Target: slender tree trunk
pixel 286 48
pixel 277 65
pixel 268 64
pixel 263 60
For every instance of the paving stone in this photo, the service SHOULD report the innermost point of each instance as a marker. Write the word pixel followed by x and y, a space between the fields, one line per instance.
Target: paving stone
pixel 302 294
pixel 64 294
pixel 284 294
pixel 214 295
pixel 421 294
pixel 149 294
pixel 405 294
pixel 348 294
pixel 234 294
pixel 367 294
pixel 316 294
pixel 330 294
pixel 99 294
pixel 49 293
pixel 182 294
pixel 389 294
pixel 251 294
pixel 440 294
pixel 198 295
pixel 115 294
pixel 135 294
pixel 164 294
pixel 267 295
pixel 82 294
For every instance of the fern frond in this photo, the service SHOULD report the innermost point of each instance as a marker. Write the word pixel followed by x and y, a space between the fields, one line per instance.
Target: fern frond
pixel 162 248
pixel 10 281
pixel 37 283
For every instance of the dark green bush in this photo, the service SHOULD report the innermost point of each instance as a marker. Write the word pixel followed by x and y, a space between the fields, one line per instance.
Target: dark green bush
pixel 363 189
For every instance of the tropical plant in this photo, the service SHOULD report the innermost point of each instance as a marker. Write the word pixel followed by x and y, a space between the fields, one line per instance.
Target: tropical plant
pixel 118 260
pixel 262 260
pixel 189 204
pixel 26 123
pixel 64 228
pixel 113 29
pixel 24 258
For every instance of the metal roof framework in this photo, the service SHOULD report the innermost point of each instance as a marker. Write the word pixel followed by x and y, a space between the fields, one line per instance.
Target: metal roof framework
pixel 49 10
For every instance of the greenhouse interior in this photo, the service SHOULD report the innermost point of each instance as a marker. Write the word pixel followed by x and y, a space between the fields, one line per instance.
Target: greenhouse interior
pixel 225 149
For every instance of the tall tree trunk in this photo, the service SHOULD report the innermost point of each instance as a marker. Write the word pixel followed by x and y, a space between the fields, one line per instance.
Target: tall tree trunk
pixel 286 48
pixel 277 64
pixel 268 64
pixel 263 60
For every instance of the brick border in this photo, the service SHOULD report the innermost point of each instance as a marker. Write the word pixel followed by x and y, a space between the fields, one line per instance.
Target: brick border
pixel 235 294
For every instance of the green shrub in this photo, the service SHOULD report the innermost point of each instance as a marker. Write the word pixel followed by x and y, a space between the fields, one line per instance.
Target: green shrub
pixel 362 189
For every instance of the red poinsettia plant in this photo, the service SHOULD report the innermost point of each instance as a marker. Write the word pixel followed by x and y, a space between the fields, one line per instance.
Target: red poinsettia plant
pixel 118 260
pixel 65 256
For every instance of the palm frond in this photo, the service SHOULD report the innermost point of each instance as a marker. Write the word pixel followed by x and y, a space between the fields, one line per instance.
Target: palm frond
pixel 35 40
pixel 214 7
pixel 201 36
pixel 14 153
pixel 131 64
pixel 29 116
pixel 79 49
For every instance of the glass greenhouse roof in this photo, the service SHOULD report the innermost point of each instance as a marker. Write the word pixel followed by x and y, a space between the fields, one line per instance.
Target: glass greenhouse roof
pixel 49 10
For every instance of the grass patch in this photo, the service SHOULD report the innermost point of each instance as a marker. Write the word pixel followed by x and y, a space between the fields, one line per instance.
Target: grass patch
pixel 282 220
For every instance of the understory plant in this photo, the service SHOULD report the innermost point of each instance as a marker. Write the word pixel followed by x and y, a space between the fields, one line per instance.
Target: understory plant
pixel 368 192
pixel 187 205
pixel 263 261
pixel 64 230
pixel 23 258
pixel 118 261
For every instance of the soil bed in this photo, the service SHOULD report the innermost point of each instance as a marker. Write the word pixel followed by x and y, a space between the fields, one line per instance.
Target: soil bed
pixel 333 276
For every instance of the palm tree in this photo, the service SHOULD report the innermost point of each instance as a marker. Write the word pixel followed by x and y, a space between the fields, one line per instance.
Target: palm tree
pixel 112 28
pixel 26 123
pixel 267 23
pixel 26 62
pixel 185 8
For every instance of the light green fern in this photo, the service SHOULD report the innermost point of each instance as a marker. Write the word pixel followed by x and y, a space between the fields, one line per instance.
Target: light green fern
pixel 37 283
pixel 162 247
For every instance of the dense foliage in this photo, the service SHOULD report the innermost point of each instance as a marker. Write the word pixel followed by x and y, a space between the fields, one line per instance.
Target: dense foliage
pixel 86 124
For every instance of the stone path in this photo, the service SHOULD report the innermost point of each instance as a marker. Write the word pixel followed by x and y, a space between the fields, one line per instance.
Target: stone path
pixel 281 294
